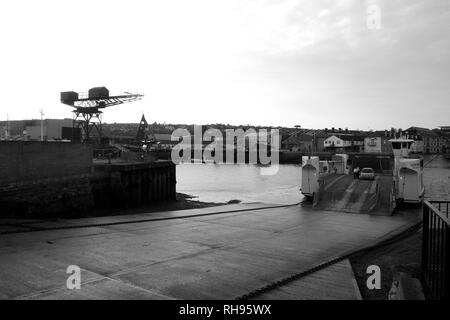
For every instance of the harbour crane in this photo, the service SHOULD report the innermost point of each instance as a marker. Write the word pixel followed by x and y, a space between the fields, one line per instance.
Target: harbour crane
pixel 88 108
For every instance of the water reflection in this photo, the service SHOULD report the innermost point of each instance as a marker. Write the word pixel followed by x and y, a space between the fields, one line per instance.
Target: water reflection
pixel 222 183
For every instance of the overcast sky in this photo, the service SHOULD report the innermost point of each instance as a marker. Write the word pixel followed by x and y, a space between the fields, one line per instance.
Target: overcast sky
pixel 314 63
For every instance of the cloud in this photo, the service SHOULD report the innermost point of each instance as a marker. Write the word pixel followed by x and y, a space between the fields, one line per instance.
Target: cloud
pixel 204 61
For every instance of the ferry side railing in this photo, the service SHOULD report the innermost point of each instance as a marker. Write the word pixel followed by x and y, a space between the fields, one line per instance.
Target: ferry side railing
pixel 436 249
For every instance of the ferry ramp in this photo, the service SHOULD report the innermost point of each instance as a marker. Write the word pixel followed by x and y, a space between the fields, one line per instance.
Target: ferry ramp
pixel 345 194
pixel 220 253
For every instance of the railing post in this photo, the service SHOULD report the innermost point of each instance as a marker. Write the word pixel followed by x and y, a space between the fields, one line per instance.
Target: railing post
pixel 447 263
pixel 436 250
pixel 425 238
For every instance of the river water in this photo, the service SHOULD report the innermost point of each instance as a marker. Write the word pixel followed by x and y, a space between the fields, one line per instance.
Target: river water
pixel 436 178
pixel 244 182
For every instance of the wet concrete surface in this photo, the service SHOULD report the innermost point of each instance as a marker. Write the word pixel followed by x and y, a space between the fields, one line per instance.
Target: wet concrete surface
pixel 343 193
pixel 336 282
pixel 220 256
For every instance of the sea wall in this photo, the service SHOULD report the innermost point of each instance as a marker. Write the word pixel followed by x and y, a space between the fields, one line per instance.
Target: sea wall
pixel 54 197
pixel 60 180
pixel 133 184
pixel 107 188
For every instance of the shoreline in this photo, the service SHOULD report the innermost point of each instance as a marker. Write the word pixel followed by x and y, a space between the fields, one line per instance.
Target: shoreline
pixel 183 202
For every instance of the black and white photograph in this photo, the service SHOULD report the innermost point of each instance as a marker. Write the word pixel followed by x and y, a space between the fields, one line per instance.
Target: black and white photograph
pixel 225 155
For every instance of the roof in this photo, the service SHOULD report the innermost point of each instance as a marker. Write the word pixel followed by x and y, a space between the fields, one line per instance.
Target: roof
pixel 401 140
pixel 348 137
pixel 422 131
pixel 417 128
pixel 378 133
pixel 307 134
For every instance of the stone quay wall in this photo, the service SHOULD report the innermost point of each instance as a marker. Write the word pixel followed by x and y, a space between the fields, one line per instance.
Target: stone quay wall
pixel 40 180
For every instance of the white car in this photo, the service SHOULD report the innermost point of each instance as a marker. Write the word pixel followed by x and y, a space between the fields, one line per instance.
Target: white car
pixel 367 174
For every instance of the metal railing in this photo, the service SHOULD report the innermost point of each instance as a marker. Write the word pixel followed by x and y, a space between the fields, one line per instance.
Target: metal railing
pixel 436 249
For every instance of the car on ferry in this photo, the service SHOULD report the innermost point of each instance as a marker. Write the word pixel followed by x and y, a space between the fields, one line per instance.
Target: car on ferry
pixel 367 174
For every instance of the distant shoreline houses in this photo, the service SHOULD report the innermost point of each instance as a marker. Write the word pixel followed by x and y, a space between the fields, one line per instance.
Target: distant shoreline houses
pixel 431 141
pixel 334 140
pixel 339 141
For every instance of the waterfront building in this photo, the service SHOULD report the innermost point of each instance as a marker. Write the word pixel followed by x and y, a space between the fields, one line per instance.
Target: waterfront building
pixel 299 141
pixel 52 129
pixel 445 133
pixel 344 143
pixel 433 140
pixel 377 142
pixel 306 140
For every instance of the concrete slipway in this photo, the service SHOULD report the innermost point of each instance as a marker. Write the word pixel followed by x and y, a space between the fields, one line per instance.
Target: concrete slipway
pixel 192 255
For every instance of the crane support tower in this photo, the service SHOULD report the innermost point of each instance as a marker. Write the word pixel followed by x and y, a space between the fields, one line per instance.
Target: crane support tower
pixel 88 108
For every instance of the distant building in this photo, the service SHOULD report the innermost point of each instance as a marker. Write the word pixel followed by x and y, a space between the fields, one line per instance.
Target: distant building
pixel 305 140
pixel 344 143
pixel 164 141
pixel 445 133
pixel 377 142
pixel 337 142
pixel 11 130
pixel 52 129
pixel 374 144
pixel 299 141
pixel 433 141
pixel 320 137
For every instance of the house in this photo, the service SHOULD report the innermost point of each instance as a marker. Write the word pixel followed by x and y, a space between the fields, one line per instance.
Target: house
pixel 358 142
pixel 299 141
pixel 377 142
pixel 344 143
pixel 337 142
pixel 321 136
pixel 305 140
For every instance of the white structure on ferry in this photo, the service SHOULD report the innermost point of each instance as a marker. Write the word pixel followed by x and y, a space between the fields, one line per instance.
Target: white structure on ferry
pixel 408 172
pixel 310 175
